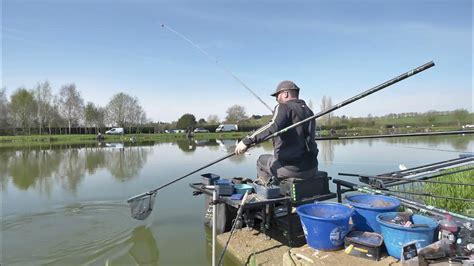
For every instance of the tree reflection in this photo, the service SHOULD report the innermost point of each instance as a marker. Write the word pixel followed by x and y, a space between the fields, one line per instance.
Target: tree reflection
pixel 67 165
pixel 126 163
pixel 186 145
pixel 326 151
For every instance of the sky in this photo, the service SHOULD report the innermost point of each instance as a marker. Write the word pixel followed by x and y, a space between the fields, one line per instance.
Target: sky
pixel 328 48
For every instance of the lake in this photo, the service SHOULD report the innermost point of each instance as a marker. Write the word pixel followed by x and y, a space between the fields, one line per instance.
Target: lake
pixel 66 205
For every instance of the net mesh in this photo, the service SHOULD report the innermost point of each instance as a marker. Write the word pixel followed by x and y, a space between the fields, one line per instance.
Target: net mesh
pixel 141 207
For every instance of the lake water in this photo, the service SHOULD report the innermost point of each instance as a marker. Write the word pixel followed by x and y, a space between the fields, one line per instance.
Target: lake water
pixel 66 205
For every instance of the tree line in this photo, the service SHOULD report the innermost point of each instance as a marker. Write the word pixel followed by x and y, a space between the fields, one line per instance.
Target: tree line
pixel 38 108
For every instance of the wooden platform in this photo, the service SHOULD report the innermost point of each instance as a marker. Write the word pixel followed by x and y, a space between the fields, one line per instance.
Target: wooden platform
pixel 248 243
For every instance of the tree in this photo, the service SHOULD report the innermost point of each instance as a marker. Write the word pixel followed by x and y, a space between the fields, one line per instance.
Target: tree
pixel 460 115
pixel 202 121
pixel 43 98
pixel 100 118
pixel 23 108
pixel 326 103
pixel 4 110
pixel 186 121
pixel 213 119
pixel 117 108
pixel 90 114
pixel 235 114
pixel 125 111
pixel 71 104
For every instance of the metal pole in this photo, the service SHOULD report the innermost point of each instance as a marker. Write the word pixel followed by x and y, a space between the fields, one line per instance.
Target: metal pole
pixel 357 97
pixel 214 224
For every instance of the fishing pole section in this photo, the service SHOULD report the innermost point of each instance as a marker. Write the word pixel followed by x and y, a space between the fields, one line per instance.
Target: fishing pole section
pixel 213 59
pixel 142 205
pixel 383 184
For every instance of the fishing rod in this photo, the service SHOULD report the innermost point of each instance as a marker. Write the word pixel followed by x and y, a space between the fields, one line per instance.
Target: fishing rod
pixel 423 148
pixel 419 134
pixel 427 195
pixel 141 205
pixel 367 177
pixel 414 204
pixel 430 167
pixel 213 59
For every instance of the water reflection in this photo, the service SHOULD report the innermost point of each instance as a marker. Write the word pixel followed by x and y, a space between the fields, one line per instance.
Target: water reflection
pixel 41 168
pixel 144 249
pixel 326 151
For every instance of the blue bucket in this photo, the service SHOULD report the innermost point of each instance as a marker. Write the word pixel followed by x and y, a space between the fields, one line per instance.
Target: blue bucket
pixel 367 207
pixel 396 236
pixel 325 224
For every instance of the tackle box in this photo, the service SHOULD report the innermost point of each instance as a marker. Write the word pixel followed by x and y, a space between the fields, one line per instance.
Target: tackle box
pixel 224 187
pixel 267 192
pixel 364 244
pixel 209 179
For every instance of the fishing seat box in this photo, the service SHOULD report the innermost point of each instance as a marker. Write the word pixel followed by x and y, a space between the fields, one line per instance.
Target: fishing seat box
pixel 366 245
pixel 299 188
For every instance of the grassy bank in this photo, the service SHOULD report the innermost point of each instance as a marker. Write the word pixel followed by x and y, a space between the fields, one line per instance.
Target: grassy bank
pixel 454 191
pixel 13 141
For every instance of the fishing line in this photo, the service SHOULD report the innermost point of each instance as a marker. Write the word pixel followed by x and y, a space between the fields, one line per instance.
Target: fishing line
pixel 430 149
pixel 217 63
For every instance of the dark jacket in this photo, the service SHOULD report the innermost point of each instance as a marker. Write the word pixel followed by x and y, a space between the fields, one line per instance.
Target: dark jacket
pixel 297 147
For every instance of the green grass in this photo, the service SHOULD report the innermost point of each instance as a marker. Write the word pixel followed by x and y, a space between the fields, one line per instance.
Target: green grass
pixel 454 191
pixel 13 141
pixel 464 192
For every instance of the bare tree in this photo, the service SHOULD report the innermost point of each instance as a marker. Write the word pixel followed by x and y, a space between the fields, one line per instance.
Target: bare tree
pixel 23 108
pixel 235 114
pixel 125 111
pixel 43 98
pixel 116 109
pixel 4 110
pixel 71 104
pixel 213 119
pixel 101 114
pixel 326 103
pixel 90 114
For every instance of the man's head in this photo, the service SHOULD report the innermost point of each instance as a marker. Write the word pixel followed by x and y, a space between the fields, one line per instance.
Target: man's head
pixel 285 91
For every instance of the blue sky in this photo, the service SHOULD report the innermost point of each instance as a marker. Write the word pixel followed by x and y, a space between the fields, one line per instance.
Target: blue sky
pixel 333 48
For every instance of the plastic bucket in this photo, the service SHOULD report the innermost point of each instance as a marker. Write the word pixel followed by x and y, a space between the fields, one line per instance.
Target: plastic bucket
pixel 366 209
pixel 325 224
pixel 396 236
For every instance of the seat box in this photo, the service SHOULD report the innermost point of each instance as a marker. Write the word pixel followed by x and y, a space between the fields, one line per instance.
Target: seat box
pixel 299 188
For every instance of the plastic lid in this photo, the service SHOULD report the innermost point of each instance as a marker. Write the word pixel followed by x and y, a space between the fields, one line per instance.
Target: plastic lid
pixel 448 224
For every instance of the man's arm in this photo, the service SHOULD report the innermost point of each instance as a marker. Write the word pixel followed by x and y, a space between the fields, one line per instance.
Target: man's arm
pixel 279 121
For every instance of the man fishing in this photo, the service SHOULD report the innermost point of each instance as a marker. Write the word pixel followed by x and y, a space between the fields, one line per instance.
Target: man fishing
pixel 295 151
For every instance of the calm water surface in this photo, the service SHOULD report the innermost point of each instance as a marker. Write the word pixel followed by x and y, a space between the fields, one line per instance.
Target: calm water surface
pixel 66 205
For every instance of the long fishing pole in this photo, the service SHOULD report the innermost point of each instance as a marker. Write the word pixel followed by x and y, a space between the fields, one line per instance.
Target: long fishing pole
pixel 213 59
pixel 146 208
pixel 427 195
pixel 426 208
pixel 415 180
pixel 429 167
pixel 423 148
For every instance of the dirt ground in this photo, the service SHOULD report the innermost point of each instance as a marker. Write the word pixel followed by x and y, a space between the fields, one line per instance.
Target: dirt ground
pixel 248 243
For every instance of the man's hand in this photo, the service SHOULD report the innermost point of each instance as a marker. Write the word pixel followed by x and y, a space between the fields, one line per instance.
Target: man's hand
pixel 240 148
